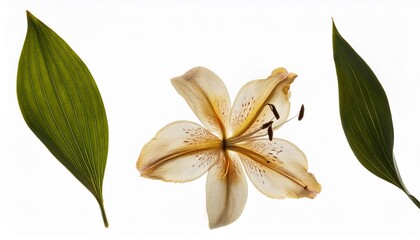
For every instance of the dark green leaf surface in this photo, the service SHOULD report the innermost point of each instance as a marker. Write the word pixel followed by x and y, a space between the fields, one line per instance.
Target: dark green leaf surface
pixel 365 114
pixel 62 105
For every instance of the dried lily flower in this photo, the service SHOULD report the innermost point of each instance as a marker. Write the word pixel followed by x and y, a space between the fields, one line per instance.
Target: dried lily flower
pixel 183 151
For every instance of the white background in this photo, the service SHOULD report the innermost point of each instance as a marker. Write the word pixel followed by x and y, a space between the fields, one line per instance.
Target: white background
pixel 133 48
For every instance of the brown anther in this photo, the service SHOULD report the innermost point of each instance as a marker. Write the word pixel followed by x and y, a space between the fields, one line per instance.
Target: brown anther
pixel 270 133
pixel 301 112
pixel 267 124
pixel 274 110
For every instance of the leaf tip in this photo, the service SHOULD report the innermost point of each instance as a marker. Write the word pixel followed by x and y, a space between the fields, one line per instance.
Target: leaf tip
pixel 29 15
pixel 31 18
pixel 334 29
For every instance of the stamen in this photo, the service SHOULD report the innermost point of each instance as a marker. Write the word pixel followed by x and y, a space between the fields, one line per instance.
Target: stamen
pixel 270 133
pixel 301 112
pixel 299 116
pixel 267 124
pixel 274 110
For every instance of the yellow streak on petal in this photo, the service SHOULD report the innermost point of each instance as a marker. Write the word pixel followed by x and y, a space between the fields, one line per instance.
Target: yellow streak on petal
pixel 145 170
pixel 313 189
pixel 253 97
pixel 226 192
pixel 181 151
pixel 207 96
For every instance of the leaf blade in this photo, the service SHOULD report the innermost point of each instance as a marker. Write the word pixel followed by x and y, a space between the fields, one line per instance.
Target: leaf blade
pixel 365 114
pixel 61 104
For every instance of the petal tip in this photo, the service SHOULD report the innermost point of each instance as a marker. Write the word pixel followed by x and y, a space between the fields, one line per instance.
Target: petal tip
pixel 279 71
pixel 191 74
pixel 292 75
pixel 288 81
pixel 220 223
pixel 282 72
pixel 313 191
pixel 213 226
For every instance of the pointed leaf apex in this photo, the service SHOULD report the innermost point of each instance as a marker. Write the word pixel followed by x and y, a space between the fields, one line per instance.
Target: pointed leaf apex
pixel 30 17
pixel 333 25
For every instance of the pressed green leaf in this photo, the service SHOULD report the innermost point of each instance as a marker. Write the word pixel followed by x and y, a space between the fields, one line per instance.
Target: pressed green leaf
pixel 365 114
pixel 61 104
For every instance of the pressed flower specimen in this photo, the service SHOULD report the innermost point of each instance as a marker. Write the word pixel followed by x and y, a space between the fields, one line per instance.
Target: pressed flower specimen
pixel 242 133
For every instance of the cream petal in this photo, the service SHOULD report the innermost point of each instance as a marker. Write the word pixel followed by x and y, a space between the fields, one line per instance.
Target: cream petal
pixel 277 168
pixel 226 192
pixel 207 96
pixel 181 151
pixel 250 110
